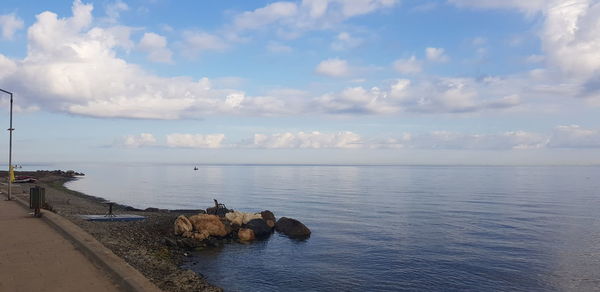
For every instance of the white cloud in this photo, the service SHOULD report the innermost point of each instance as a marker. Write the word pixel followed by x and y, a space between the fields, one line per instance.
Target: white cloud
pixel 113 10
pixel 73 67
pixel 293 19
pixel 357 100
pixel 196 42
pixel 10 23
pixel 136 141
pixel 436 55
pixel 575 136
pixel 408 66
pixel 265 15
pixel 527 6
pixel 572 136
pixel 361 7
pixel 312 140
pixel 195 140
pixel 333 68
pixel 156 47
pixel 451 140
pixel 570 36
pixel 439 95
pixel 345 41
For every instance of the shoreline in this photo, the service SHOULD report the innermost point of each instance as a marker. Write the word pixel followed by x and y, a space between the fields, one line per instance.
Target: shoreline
pixel 142 244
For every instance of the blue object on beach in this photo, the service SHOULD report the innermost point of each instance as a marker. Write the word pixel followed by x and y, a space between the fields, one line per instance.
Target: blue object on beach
pixel 122 217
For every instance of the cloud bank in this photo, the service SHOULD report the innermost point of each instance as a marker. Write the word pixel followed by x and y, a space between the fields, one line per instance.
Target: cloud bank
pixel 561 137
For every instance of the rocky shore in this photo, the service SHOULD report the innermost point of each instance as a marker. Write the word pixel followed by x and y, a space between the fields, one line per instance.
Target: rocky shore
pixel 219 225
pixel 142 244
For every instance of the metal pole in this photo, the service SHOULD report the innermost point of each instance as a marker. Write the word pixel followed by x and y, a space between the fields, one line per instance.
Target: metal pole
pixel 10 130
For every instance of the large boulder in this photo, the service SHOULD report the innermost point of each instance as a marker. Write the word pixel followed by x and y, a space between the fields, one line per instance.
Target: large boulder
pixel 269 218
pixel 245 234
pixel 182 225
pixel 260 227
pixel 240 218
pixel 292 228
pixel 209 223
pixel 235 218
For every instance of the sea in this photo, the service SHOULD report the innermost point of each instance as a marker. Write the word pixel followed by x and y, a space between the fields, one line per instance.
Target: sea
pixel 385 228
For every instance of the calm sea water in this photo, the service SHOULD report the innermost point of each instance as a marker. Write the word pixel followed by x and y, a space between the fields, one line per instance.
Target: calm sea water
pixel 387 228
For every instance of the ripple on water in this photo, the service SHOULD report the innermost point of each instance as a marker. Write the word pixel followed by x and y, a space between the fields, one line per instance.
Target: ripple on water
pixel 388 228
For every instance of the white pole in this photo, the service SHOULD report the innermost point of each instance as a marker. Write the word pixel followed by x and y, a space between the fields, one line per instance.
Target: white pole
pixel 10 130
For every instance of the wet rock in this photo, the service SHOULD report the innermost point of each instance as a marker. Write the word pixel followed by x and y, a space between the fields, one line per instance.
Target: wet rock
pixel 260 227
pixel 182 225
pixel 269 218
pixel 245 234
pixel 292 228
pixel 209 223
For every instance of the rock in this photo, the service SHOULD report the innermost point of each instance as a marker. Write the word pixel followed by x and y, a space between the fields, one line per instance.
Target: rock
pixel 270 223
pixel 202 235
pixel 292 228
pixel 188 243
pixel 235 218
pixel 260 227
pixel 267 215
pixel 188 234
pixel 245 234
pixel 251 216
pixel 210 223
pixel 228 227
pixel 269 218
pixel 217 211
pixel 182 225
pixel 240 218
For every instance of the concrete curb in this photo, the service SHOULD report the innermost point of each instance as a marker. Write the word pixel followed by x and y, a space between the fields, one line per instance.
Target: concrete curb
pixel 124 275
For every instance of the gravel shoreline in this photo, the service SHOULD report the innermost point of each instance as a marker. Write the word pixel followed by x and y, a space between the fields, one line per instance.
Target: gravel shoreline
pixel 142 244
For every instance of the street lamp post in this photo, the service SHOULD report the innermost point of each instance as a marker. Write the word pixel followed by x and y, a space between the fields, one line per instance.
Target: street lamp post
pixel 10 130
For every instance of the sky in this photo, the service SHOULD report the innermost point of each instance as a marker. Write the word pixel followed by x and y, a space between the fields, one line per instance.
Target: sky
pixel 468 82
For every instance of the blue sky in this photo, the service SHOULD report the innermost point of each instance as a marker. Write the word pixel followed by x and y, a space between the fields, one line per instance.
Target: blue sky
pixel 313 81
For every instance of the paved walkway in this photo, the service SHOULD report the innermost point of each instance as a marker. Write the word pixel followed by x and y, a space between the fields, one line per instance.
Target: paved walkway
pixel 35 257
